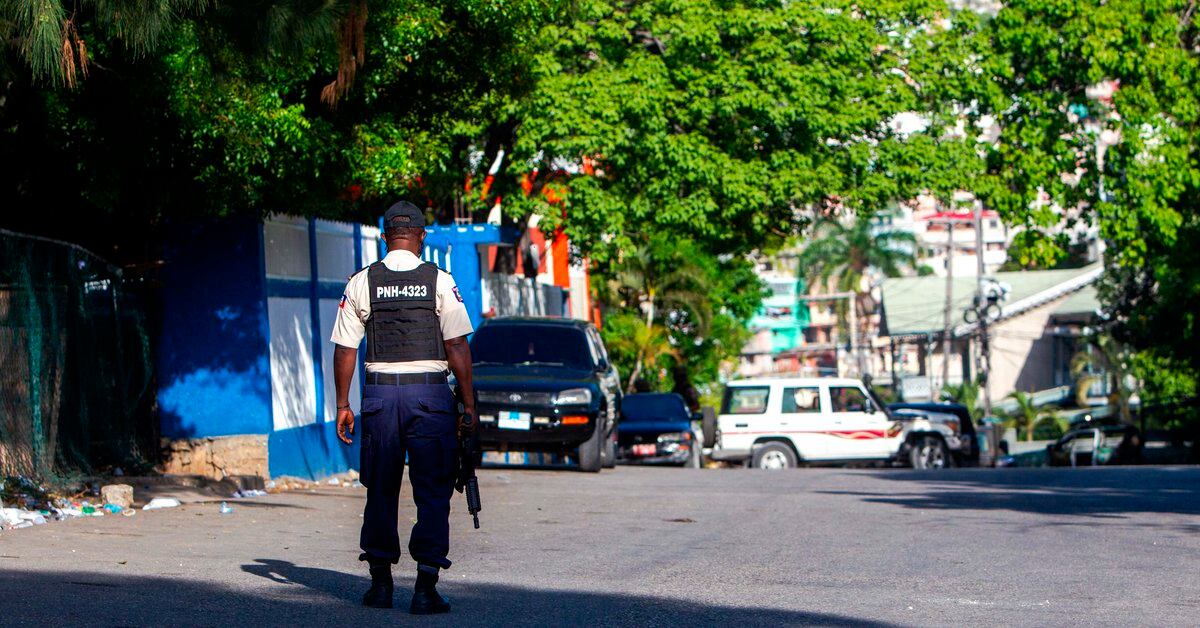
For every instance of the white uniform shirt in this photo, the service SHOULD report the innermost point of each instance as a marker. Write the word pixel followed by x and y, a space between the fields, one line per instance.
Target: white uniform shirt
pixel 355 309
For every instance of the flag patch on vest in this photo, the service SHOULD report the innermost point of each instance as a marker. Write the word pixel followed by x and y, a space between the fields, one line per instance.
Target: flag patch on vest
pixel 457 295
pixel 342 305
pixel 411 291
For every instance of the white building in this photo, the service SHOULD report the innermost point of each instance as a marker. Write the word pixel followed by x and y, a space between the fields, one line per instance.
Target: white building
pixel 935 225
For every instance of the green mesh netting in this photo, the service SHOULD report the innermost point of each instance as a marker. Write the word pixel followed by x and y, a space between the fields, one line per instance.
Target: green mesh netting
pixel 75 362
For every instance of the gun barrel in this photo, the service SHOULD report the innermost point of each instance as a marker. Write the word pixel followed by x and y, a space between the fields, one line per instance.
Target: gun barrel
pixel 473 505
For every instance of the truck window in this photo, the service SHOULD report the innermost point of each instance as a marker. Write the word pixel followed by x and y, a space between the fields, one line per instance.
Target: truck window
pixel 532 345
pixel 847 399
pixel 745 400
pixel 803 400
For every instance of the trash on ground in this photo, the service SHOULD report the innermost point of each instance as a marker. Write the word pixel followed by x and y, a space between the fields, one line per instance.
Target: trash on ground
pixel 226 509
pixel 113 508
pixel 119 494
pixel 250 493
pixel 161 502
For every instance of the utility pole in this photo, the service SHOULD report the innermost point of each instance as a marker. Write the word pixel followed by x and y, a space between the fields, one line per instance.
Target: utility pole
pixel 985 357
pixel 947 325
pixel 850 302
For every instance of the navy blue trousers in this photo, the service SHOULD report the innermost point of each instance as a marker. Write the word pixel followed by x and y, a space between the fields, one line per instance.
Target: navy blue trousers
pixel 417 421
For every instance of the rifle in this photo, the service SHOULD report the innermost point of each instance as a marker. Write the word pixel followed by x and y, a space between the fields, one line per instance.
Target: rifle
pixel 466 482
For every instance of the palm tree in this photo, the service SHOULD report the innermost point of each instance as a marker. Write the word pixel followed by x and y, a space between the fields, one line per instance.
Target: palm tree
pixel 841 255
pixel 1026 415
pixel 648 344
pixel 674 285
pixel 1104 358
pixel 966 393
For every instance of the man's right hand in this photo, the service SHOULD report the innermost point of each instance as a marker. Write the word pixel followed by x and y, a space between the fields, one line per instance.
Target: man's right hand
pixel 467 421
pixel 345 425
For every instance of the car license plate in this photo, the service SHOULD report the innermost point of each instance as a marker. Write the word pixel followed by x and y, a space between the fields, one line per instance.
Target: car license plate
pixel 645 450
pixel 512 420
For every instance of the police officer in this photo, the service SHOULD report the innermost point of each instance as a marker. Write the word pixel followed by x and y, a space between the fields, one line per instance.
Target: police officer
pixel 416 328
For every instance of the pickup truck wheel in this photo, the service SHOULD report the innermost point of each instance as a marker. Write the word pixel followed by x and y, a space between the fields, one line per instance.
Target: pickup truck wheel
pixel 591 450
pixel 773 456
pixel 929 453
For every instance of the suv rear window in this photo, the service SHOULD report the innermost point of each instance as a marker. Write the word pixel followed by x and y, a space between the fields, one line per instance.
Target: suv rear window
pixel 532 345
pixel 745 400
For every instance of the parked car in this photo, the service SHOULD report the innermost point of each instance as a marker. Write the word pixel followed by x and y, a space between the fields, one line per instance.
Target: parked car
pixel 656 428
pixel 546 385
pixel 779 423
pixel 1096 445
pixel 949 414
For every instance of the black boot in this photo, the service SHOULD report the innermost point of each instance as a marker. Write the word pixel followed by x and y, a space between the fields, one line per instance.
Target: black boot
pixel 425 600
pixel 380 593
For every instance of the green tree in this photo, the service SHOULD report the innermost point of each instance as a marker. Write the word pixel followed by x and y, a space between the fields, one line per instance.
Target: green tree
pixel 1030 420
pixel 840 255
pixel 647 347
pixel 966 393
pixel 1097 111
pixel 699 301
pixel 730 123
pixel 1106 359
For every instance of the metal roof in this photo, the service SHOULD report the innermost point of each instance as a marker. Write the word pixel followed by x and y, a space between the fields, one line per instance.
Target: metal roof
pixel 912 306
pixel 1084 302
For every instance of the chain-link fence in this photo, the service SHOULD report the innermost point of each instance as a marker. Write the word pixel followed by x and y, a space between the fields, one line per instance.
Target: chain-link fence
pixel 75 362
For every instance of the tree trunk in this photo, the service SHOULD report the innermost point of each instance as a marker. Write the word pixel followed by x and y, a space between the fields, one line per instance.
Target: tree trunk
pixel 637 370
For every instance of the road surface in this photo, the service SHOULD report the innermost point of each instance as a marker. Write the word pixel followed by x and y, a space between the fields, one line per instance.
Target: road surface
pixel 639 546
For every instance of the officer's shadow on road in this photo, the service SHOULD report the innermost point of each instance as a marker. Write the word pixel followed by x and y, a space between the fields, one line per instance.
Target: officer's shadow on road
pixel 491 604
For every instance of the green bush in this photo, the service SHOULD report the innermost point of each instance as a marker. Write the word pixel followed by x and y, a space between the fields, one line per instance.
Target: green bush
pixel 1048 428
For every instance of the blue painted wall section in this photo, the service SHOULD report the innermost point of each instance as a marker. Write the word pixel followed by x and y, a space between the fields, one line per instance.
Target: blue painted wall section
pixel 214 353
pixel 463 244
pixel 311 452
pixel 213 366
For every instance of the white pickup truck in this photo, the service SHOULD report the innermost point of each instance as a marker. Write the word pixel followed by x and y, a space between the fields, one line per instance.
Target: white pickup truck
pixel 780 423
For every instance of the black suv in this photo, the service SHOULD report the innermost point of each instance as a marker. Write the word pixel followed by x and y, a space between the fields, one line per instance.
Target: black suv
pixel 546 385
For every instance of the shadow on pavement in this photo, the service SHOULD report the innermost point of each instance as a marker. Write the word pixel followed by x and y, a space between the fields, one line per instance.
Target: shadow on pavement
pixel 1100 492
pixel 317 596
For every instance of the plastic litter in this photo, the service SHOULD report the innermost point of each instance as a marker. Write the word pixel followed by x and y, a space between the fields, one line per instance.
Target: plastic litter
pixel 250 493
pixel 10 517
pixel 113 508
pixel 334 482
pixel 161 502
pixel 226 509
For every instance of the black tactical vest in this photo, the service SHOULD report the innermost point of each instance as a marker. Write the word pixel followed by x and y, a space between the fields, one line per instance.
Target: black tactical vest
pixel 404 325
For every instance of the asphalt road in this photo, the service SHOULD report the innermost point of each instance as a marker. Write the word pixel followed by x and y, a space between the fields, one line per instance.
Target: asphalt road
pixel 641 546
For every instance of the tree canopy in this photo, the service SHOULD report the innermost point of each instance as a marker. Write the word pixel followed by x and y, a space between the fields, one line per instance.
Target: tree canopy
pixel 707 129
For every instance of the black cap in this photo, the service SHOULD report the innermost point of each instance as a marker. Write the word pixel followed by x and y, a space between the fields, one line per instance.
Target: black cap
pixel 403 214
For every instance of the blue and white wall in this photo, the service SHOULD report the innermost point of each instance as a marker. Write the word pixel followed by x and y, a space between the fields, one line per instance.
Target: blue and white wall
pixel 249 307
pixel 306 263
pixel 248 311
